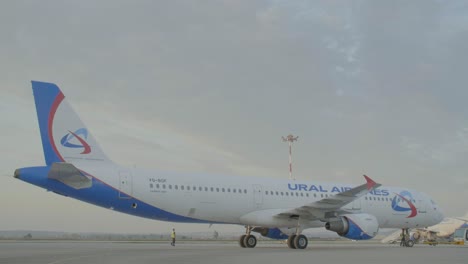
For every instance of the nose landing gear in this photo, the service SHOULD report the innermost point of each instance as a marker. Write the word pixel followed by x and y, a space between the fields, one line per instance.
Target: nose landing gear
pixel 406 240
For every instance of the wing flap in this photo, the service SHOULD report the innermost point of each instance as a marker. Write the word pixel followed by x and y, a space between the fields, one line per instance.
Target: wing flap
pixel 68 174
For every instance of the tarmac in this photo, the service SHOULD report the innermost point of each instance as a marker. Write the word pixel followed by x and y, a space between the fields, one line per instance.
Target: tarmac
pixel 74 252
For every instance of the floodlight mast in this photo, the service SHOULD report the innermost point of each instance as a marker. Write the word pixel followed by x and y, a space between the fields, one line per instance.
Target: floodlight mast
pixel 290 139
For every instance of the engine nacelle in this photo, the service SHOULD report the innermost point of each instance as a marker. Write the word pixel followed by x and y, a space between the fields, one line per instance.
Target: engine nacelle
pixel 273 233
pixel 354 226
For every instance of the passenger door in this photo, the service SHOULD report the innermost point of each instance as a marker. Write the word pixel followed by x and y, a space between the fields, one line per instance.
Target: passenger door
pixel 258 195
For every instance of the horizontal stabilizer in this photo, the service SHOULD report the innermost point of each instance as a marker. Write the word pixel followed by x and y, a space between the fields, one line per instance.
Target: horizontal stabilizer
pixel 68 174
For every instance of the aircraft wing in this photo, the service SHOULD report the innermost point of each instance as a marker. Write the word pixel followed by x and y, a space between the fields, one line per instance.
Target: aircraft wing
pixel 68 174
pixel 331 206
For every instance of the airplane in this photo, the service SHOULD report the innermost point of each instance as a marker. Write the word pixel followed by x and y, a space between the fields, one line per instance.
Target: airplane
pixel 447 227
pixel 442 230
pixel 75 166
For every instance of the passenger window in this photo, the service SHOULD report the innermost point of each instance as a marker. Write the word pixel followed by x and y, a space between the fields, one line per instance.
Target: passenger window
pixel 229 189
pixel 170 186
pixel 245 190
pixel 297 194
pixel 212 189
pixel 176 187
pixel 217 189
pixel 277 193
pixel 206 189
pixel 188 188
pixel 200 188
pixel 266 192
pixel 194 188
pixel 315 195
pixel 164 186
pixel 222 189
pixel 182 187
pixel 151 185
pixel 281 193
pixel 307 195
pixel 302 195
pixel 271 192
pixel 240 191
pixel 157 185
pixel 234 190
pixel 287 194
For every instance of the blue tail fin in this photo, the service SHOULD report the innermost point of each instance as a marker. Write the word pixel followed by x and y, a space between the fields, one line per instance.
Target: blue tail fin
pixel 64 136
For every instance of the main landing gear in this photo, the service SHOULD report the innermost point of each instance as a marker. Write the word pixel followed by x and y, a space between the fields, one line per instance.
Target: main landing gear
pixel 297 241
pixel 248 240
pixel 406 240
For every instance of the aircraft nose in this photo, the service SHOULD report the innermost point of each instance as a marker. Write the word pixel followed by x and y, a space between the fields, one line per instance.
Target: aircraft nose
pixel 17 174
pixel 438 214
pixel 441 215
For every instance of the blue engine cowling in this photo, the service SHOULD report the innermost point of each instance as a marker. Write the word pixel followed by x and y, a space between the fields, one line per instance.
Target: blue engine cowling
pixel 274 233
pixel 354 226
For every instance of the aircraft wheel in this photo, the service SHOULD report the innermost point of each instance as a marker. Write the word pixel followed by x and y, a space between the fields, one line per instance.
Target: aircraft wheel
pixel 241 241
pixel 291 241
pixel 250 241
pixel 300 242
pixel 410 243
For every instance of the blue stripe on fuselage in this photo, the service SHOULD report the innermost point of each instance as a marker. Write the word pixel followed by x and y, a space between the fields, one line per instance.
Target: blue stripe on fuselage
pixel 102 195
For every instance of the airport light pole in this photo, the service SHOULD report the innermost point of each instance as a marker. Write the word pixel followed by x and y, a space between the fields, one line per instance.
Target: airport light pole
pixel 290 139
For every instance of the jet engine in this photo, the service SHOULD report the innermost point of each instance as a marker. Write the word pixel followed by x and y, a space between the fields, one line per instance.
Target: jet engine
pixel 273 233
pixel 354 226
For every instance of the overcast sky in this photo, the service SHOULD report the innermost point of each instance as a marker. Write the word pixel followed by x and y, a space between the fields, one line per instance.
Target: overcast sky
pixel 374 87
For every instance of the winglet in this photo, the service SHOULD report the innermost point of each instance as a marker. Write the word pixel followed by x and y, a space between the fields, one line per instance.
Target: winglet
pixel 370 182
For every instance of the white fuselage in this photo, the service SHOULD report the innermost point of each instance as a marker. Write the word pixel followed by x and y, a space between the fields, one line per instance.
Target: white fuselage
pixel 226 199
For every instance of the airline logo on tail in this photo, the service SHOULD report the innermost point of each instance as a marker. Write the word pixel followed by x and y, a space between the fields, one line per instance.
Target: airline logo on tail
pixel 406 198
pixel 77 139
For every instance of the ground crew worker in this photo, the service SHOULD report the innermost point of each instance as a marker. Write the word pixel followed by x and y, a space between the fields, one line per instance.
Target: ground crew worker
pixel 173 236
pixel 403 238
